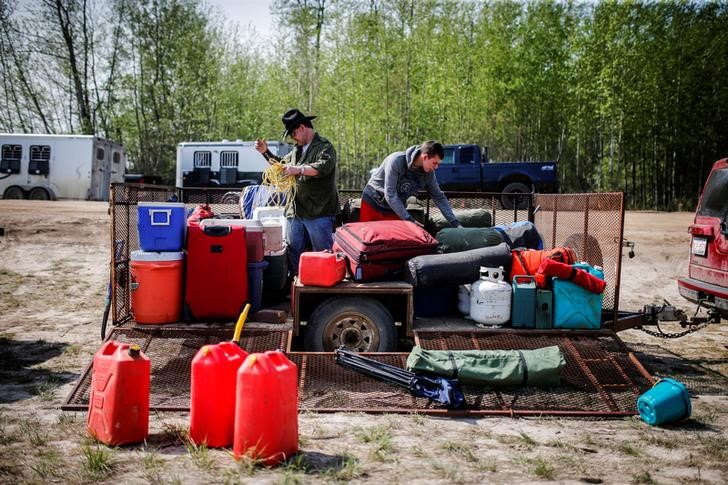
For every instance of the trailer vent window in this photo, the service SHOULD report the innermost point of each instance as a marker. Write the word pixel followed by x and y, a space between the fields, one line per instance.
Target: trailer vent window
pixel 116 157
pixel 229 159
pixel 100 154
pixel 202 159
pixel 10 162
pixel 40 153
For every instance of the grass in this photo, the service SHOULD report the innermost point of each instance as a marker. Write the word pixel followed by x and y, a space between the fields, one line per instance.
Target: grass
pixel 153 465
pixel 48 464
pixel 381 439
pixel 98 461
pixel 447 472
pixel 347 469
pixel 628 449
pixel 200 455
pixel 460 449
pixel 32 431
pixel 527 440
pixel 538 467
pixel 715 446
pixel 46 390
pixel 643 478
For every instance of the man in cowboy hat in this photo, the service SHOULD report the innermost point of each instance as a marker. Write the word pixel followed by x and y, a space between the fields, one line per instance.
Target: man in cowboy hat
pixel 316 202
pixel 400 176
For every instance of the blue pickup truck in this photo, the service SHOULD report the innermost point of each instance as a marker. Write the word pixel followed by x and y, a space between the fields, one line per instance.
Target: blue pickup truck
pixel 467 168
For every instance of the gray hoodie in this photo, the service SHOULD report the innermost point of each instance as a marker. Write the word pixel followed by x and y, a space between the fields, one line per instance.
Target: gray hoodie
pixel 395 180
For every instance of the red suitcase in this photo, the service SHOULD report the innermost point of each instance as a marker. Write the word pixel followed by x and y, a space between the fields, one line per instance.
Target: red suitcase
pixel 378 250
pixel 217 272
pixel 321 268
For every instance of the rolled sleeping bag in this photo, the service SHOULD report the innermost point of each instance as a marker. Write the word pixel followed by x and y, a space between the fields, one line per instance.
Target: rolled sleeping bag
pixel 456 239
pixel 467 217
pixel 455 268
pixel 498 368
pixel 521 234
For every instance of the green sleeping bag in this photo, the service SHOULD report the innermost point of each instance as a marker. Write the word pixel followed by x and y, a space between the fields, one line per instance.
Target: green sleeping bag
pixel 497 368
pixel 456 239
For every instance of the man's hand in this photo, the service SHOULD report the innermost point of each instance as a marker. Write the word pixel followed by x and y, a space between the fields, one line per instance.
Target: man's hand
pixel 293 170
pixel 261 145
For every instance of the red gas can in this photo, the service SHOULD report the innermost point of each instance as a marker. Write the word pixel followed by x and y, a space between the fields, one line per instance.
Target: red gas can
pixel 322 268
pixel 212 394
pixel 266 408
pixel 118 411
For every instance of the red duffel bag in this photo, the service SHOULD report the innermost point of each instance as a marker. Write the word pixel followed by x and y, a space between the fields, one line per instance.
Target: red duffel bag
pixel 378 250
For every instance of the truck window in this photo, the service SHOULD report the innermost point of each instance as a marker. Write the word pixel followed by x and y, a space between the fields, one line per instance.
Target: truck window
pixel 229 159
pixel 467 154
pixel 10 161
pixel 449 158
pixel 715 196
pixel 202 159
pixel 40 153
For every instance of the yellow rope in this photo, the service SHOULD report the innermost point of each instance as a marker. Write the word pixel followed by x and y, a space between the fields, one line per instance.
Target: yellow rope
pixel 282 187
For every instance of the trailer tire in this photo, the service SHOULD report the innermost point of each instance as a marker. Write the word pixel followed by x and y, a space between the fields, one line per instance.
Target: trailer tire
pixel 510 198
pixel 586 249
pixel 361 324
pixel 39 193
pixel 14 192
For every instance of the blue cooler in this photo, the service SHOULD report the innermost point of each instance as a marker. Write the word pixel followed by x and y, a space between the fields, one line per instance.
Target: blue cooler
pixel 161 226
pixel 255 284
pixel 575 307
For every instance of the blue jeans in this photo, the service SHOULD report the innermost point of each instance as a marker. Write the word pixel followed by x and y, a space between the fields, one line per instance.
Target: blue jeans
pixel 301 234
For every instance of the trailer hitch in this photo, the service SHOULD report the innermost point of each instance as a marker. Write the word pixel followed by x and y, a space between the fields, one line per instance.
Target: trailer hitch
pixel 654 314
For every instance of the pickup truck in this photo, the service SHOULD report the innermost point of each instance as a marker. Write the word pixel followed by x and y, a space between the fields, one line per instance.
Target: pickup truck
pixel 467 168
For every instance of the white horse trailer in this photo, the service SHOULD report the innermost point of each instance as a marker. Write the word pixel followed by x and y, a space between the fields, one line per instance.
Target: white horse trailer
pixel 223 164
pixel 50 167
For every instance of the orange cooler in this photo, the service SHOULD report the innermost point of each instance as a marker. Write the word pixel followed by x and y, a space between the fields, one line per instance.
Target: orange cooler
pixel 156 286
pixel 118 410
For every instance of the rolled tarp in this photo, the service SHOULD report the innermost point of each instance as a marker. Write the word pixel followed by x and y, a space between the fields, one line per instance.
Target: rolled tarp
pixel 498 368
pixel 454 269
pixel 457 239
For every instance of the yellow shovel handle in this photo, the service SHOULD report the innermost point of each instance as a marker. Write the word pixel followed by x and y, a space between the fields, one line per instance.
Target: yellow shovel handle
pixel 241 322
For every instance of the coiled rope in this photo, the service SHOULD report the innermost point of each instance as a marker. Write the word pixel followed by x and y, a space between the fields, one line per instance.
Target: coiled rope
pixel 282 188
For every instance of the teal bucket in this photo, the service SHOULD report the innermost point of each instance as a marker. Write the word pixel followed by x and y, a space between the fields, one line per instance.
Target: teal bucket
pixel 668 401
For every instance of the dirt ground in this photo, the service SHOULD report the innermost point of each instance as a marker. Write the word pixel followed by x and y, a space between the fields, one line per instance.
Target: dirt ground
pixel 53 276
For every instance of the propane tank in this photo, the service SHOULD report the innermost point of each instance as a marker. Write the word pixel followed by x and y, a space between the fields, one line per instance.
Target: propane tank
pixel 490 297
pixel 464 299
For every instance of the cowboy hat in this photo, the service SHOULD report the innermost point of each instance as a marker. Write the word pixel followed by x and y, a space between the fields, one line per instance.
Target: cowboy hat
pixel 292 119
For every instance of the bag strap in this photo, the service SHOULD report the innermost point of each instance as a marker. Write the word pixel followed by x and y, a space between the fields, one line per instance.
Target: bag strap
pixel 454 364
pixel 522 358
pixel 517 252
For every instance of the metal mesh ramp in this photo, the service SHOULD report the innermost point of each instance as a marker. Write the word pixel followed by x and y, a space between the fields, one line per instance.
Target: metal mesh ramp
pixel 171 350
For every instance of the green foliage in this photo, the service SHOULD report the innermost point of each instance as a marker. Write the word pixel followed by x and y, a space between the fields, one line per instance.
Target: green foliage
pixel 626 96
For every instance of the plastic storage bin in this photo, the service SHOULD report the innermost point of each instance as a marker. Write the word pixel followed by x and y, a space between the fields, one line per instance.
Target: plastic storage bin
pixel 255 284
pixel 161 226
pixel 575 307
pixel 523 313
pixel 156 286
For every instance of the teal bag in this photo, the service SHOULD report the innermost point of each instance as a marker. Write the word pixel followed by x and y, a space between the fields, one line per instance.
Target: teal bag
pixel 497 368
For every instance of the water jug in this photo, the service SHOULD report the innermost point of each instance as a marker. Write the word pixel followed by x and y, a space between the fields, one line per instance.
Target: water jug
pixel 524 302
pixel 212 393
pixel 490 297
pixel 575 307
pixel 464 299
pixel 266 408
pixel 118 411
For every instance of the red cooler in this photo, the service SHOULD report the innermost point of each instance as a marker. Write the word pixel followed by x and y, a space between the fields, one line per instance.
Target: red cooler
pixel 156 286
pixel 217 272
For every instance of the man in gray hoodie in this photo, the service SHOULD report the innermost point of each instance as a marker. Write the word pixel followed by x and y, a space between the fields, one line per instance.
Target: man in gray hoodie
pixel 400 176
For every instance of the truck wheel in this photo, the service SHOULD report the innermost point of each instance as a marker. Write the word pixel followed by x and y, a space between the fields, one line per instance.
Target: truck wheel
pixel 589 252
pixel 14 193
pixel 510 198
pixel 359 324
pixel 39 193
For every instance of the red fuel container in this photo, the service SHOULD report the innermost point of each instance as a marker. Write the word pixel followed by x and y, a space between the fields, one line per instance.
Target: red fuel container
pixel 118 411
pixel 322 268
pixel 212 393
pixel 266 408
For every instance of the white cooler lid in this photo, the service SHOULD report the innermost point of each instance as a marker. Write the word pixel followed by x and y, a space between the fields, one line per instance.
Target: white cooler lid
pixel 157 255
pixel 161 204
pixel 248 224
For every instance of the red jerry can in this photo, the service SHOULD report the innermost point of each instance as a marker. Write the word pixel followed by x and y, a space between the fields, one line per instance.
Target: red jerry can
pixel 118 410
pixel 266 408
pixel 212 393
pixel 321 268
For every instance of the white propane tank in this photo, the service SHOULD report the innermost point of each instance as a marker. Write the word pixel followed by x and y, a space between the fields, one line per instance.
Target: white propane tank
pixel 490 297
pixel 464 299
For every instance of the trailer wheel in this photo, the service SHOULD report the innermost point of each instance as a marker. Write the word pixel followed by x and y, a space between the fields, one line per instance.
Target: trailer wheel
pixel 14 192
pixel 586 249
pixel 511 198
pixel 359 324
pixel 39 193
